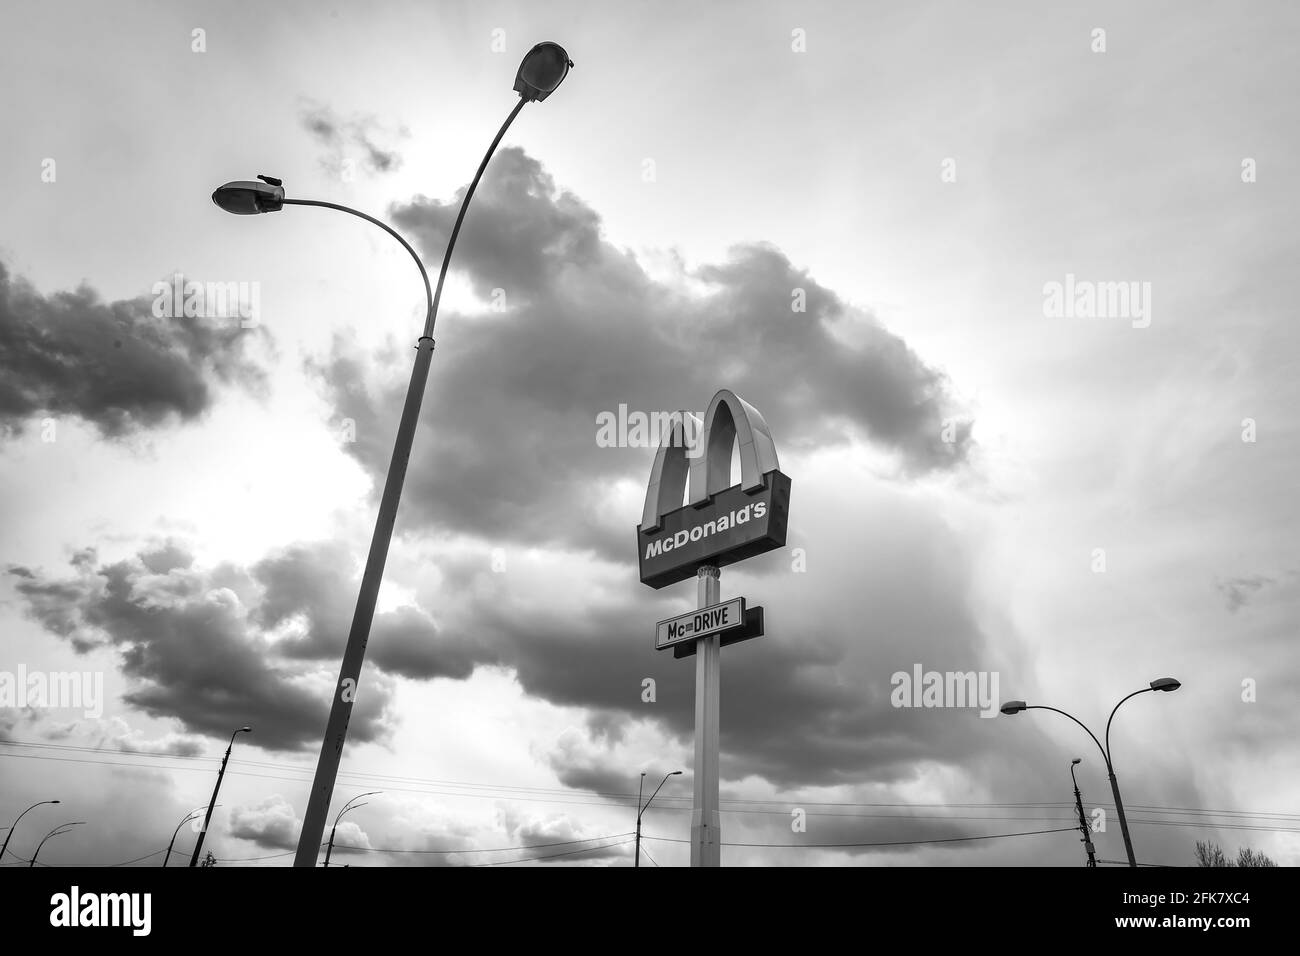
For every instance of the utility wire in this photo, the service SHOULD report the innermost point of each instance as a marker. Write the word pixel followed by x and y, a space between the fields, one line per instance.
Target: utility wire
pixel 244 859
pixel 1125 863
pixel 626 795
pixel 137 859
pixel 552 856
pixel 666 804
pixel 823 846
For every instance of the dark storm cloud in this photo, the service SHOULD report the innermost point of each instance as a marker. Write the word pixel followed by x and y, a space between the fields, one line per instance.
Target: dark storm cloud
pixel 171 745
pixel 807 705
pixel 186 641
pixel 317 584
pixel 507 451
pixel 544 835
pixel 113 364
pixel 341 137
pixel 593 776
pixel 507 447
pixel 524 235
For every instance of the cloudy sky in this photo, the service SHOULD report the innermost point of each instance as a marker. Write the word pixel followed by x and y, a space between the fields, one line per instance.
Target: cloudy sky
pixel 853 215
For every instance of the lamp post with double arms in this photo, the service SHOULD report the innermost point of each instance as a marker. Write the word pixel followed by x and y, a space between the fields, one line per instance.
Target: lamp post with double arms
pixel 61 829
pixel 541 71
pixel 188 817
pixel 1166 684
pixel 5 846
pixel 350 805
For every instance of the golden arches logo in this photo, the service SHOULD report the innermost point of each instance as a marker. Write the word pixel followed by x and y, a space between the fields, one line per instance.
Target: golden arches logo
pixel 702 451
pixel 720 522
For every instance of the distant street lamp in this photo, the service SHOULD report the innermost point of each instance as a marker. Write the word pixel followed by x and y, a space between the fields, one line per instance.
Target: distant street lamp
pixel 190 816
pixel 543 68
pixel 5 846
pixel 198 844
pixel 346 807
pixel 1083 821
pixel 61 829
pixel 640 809
pixel 1166 684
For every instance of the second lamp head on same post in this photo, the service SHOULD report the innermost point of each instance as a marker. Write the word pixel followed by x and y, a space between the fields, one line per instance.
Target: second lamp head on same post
pixel 540 73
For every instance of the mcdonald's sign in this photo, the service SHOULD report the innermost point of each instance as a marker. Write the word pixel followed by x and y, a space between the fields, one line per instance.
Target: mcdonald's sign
pixel 720 523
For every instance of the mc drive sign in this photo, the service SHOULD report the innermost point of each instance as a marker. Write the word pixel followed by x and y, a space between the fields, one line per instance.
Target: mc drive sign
pixel 705 621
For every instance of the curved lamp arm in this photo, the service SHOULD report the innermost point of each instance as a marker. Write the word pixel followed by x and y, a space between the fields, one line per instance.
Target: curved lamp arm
pixel 460 217
pixel 192 815
pixel 1105 756
pixel 656 793
pixel 428 294
pixel 433 296
pixel 29 810
pixel 1112 717
pixel 5 846
pixel 351 805
pixel 57 831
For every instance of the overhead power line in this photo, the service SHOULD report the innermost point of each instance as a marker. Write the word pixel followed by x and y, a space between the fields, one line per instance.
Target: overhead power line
pixel 302 768
pixel 827 846
pixel 507 792
pixel 552 856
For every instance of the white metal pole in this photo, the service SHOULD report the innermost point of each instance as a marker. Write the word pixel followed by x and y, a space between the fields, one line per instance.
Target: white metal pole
pixel 706 825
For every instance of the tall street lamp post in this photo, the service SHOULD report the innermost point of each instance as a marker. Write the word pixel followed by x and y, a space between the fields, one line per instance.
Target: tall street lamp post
pixel 1083 821
pixel 198 844
pixel 1166 684
pixel 640 809
pixel 542 70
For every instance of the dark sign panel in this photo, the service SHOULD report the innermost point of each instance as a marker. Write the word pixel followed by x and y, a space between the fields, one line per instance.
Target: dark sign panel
pixel 729 526
pixel 753 627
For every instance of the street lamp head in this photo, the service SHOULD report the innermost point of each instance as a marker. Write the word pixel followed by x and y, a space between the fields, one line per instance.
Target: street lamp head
pixel 1166 684
pixel 1014 707
pixel 675 773
pixel 245 730
pixel 246 198
pixel 543 68
pixel 1076 760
